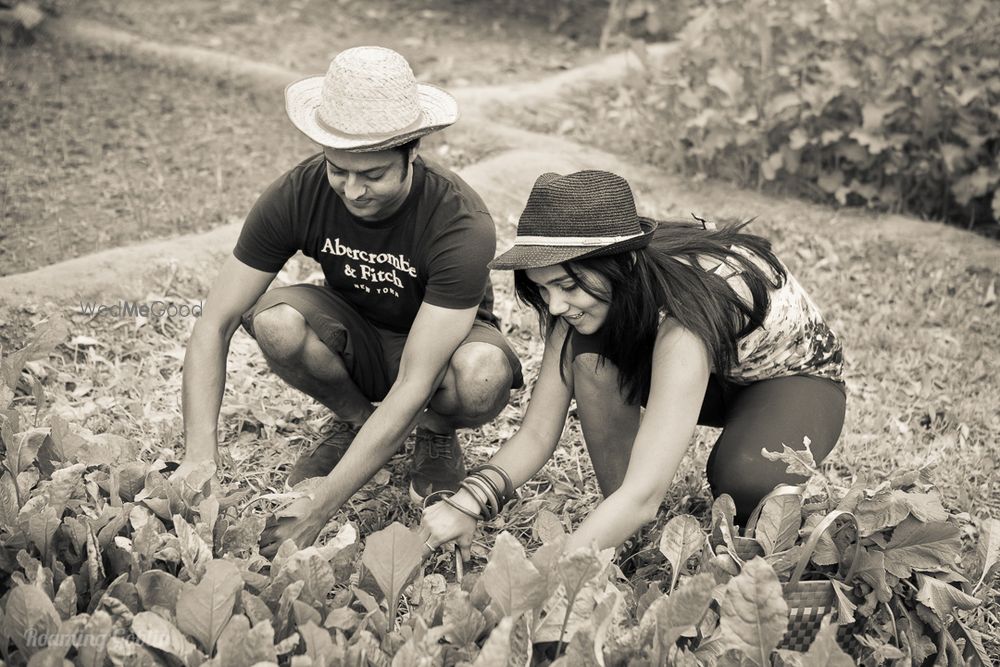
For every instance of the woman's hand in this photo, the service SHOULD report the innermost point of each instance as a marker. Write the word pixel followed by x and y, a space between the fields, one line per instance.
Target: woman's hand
pixel 443 523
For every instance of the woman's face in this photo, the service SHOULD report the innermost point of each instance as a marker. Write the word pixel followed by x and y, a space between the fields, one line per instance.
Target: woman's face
pixel 568 300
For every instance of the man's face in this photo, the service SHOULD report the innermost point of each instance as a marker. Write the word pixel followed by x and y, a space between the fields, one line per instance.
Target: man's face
pixel 372 185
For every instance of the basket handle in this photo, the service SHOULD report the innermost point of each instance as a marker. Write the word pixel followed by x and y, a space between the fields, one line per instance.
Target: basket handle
pixel 779 490
pixel 814 536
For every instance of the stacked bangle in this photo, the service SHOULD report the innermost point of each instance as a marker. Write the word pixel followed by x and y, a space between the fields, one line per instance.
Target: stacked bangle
pixel 508 485
pixel 483 489
pixel 461 509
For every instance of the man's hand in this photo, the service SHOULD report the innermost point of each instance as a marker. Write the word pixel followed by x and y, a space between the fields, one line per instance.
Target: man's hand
pixel 300 522
pixel 191 478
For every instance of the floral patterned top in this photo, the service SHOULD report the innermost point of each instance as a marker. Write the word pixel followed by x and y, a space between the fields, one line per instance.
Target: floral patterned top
pixel 793 340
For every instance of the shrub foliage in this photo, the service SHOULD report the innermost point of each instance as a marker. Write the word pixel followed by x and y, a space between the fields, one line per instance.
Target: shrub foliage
pixel 893 104
pixel 106 560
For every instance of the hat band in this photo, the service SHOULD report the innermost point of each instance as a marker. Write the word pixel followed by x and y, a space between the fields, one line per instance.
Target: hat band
pixel 573 241
pixel 415 125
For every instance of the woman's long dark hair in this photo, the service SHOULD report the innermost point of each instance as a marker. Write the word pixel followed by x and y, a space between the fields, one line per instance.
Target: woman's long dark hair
pixel 667 276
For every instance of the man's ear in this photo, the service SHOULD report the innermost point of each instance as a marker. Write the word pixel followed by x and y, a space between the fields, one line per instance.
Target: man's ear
pixel 414 149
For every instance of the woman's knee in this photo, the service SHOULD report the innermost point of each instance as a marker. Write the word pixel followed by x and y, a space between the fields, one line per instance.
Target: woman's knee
pixel 280 332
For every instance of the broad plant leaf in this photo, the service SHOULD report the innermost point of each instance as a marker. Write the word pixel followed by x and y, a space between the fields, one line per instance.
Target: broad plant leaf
pixel 286 603
pixel 578 570
pixel 393 555
pixel 921 546
pixel 320 647
pixel 558 620
pixel 511 580
pixel 194 552
pixel 682 538
pixel 64 484
pixel 919 643
pixel 724 521
pixel 845 605
pixel 778 525
pixel 204 610
pixel 798 462
pixel 8 500
pixel 926 507
pixel 29 614
pixel 62 444
pixel 871 569
pixel 160 589
pixel 604 619
pixel 974 649
pixel 95 561
pixel 422 647
pixel 92 647
pixel 886 508
pixel 127 651
pixel 580 651
pixel 548 527
pixel 943 598
pixel 988 548
pixel 22 449
pixel 239 645
pixel 496 652
pixel 754 614
pixel 462 621
pixel 682 609
pixel 66 597
pixel 826 552
pixel 309 566
pixel 49 334
pixel 161 634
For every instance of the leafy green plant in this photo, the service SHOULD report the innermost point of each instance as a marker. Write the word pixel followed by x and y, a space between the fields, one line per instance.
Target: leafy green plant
pixel 109 561
pixel 891 105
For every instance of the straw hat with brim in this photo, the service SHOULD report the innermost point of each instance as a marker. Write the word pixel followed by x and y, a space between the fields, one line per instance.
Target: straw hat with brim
pixel 368 101
pixel 584 214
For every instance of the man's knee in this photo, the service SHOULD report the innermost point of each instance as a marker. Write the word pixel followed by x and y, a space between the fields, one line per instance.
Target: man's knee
pixel 483 378
pixel 281 332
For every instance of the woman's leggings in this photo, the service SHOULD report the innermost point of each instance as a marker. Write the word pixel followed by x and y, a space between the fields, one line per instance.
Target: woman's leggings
pixel 766 415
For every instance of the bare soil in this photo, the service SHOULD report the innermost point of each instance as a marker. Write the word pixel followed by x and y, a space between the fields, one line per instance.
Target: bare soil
pixel 451 42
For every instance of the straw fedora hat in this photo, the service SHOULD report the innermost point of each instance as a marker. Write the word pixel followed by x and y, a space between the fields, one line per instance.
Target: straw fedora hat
pixel 584 214
pixel 368 100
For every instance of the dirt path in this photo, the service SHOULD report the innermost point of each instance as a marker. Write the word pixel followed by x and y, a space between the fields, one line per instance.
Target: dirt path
pixel 503 179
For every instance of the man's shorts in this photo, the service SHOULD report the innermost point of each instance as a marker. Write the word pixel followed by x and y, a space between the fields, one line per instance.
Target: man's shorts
pixel 371 354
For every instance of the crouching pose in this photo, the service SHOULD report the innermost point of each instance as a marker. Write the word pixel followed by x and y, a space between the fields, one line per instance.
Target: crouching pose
pixel 696 325
pixel 404 317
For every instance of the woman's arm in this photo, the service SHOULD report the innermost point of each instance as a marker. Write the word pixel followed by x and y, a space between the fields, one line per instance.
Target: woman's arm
pixel 680 372
pixel 521 457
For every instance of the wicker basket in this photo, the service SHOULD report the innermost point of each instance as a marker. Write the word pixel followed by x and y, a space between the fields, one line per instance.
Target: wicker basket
pixel 809 601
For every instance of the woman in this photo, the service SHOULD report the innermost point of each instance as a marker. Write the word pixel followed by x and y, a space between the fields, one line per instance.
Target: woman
pixel 698 326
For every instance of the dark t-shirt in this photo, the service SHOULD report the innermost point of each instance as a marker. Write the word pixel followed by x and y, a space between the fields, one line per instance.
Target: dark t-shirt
pixel 434 248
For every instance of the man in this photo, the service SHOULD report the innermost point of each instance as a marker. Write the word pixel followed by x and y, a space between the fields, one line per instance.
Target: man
pixel 404 318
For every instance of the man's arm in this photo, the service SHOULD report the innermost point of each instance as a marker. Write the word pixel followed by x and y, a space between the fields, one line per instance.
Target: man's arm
pixel 435 335
pixel 236 289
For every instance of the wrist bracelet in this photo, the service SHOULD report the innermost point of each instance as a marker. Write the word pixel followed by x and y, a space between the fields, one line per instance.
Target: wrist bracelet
pixel 466 512
pixel 508 486
pixel 490 483
pixel 479 496
pixel 493 508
